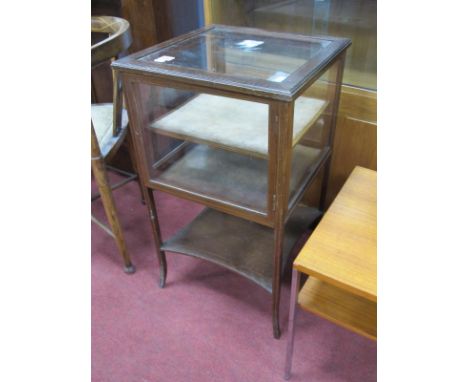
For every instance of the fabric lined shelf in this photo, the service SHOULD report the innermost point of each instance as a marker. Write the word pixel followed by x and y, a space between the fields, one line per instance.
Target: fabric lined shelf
pixel 237 244
pixel 233 124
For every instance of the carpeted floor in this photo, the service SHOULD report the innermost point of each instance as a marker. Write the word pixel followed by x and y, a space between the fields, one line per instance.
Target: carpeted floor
pixel 207 324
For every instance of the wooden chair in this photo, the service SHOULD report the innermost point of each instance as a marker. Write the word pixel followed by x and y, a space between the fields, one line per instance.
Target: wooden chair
pixel 109 122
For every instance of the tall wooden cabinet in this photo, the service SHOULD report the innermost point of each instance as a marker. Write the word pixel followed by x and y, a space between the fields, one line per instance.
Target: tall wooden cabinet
pixel 241 120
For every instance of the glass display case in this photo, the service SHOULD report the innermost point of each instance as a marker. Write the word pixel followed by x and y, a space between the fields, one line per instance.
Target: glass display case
pixel 240 120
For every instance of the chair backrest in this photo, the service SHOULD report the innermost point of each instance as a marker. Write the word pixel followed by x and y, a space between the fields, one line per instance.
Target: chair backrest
pixel 118 41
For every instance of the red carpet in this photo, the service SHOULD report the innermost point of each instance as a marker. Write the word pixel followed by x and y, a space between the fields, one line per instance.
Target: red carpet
pixel 207 324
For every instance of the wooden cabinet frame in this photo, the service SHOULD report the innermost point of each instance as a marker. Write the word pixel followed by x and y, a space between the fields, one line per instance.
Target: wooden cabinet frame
pixel 282 212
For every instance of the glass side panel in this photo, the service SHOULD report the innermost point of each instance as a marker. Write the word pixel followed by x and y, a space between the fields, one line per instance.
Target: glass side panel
pixel 212 146
pixel 313 113
pixel 240 55
pixel 355 19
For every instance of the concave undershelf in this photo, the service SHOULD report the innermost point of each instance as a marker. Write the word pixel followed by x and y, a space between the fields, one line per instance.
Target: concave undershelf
pixel 232 177
pixel 339 306
pixel 233 124
pixel 237 244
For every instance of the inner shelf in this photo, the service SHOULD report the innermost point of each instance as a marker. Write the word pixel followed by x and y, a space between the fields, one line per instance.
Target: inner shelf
pixel 233 124
pixel 239 245
pixel 232 177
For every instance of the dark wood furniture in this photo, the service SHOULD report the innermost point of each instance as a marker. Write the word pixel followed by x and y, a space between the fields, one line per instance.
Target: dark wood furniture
pixel 241 120
pixel 109 122
pixel 340 260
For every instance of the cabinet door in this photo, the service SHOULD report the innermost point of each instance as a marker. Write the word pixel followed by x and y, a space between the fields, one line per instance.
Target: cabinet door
pixel 207 147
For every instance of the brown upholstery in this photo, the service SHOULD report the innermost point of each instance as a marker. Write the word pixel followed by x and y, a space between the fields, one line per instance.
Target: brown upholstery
pixel 102 117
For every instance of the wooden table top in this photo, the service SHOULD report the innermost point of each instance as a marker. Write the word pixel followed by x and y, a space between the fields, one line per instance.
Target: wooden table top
pixel 342 250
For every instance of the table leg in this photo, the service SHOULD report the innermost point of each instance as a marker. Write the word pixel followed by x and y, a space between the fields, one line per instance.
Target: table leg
pixel 291 322
pixel 133 160
pixel 149 201
pixel 278 254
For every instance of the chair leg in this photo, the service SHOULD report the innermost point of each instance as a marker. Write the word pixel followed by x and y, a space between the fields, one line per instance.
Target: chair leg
pixel 100 174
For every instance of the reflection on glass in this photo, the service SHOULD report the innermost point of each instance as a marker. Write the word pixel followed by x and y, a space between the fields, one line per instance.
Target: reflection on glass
pixel 209 145
pixel 218 147
pixel 355 19
pixel 313 142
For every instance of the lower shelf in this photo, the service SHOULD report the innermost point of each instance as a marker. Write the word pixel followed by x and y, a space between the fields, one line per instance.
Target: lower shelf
pixel 236 178
pixel 234 124
pixel 237 244
pixel 339 306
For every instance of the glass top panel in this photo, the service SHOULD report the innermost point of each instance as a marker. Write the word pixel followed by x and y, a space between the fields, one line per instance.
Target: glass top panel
pixel 241 55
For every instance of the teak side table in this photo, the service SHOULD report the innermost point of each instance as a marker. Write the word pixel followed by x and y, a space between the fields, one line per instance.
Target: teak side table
pixel 240 120
pixel 340 260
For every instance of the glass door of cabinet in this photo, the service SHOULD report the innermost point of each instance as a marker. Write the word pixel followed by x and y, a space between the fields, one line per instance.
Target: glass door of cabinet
pixel 208 145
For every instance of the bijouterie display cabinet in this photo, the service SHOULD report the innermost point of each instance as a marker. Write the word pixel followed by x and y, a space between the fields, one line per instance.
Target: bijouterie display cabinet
pixel 240 120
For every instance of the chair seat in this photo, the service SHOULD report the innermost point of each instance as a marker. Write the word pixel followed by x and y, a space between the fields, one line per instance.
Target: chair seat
pixel 102 117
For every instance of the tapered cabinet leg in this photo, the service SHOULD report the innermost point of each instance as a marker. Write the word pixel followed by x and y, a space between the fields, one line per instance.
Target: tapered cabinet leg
pixel 280 143
pixel 278 252
pixel 291 323
pixel 131 153
pixel 149 201
pixel 100 175
pixel 276 325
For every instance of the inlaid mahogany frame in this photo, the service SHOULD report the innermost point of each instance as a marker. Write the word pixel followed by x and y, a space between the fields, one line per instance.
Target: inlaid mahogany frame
pixel 280 129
